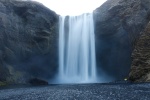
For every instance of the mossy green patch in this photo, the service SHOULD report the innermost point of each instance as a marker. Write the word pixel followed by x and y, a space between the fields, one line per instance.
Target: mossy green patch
pixel 3 83
pixel 15 76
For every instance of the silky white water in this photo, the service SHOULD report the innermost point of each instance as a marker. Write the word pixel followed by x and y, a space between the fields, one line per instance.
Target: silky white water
pixel 77 61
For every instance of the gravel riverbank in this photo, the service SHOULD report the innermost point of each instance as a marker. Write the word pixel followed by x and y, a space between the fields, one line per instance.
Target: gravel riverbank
pixel 79 92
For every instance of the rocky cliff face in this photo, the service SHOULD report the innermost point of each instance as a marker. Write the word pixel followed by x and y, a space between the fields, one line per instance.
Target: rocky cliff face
pixel 118 24
pixel 140 70
pixel 28 39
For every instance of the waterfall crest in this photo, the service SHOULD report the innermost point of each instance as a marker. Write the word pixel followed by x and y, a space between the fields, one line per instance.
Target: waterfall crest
pixel 77 61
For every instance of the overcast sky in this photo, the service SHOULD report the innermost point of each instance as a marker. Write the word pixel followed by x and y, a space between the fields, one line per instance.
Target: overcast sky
pixel 72 7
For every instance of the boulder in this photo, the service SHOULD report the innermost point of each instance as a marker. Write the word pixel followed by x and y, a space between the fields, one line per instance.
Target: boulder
pixel 36 81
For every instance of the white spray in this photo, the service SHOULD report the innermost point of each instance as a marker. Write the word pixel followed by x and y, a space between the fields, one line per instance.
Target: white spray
pixel 77 61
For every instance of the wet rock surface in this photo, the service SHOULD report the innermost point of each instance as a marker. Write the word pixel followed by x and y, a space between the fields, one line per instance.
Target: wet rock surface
pixel 118 24
pixel 80 92
pixel 28 39
pixel 140 70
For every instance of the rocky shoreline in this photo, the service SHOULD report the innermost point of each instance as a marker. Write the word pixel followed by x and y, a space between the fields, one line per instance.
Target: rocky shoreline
pixel 79 92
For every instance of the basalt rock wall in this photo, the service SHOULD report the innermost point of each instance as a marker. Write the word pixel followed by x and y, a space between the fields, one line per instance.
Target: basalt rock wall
pixel 118 26
pixel 28 41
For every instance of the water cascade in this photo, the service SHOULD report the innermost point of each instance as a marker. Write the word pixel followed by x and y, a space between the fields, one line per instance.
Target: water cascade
pixel 77 61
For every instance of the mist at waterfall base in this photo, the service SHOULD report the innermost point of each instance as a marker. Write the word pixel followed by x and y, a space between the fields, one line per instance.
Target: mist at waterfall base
pixel 106 68
pixel 77 57
pixel 77 49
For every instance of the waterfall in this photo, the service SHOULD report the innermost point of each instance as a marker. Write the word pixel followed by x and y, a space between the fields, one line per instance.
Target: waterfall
pixel 77 61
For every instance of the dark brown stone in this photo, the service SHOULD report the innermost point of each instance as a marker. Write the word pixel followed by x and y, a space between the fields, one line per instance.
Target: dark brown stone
pixel 140 70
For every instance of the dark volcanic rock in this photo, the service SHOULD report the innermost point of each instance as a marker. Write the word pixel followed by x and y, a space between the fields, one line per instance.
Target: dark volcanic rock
pixel 36 81
pixel 118 23
pixel 28 38
pixel 140 70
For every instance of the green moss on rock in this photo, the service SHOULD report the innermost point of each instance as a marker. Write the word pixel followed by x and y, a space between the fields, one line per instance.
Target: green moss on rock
pixel 3 83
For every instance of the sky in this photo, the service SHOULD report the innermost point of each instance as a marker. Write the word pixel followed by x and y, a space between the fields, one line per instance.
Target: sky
pixel 72 7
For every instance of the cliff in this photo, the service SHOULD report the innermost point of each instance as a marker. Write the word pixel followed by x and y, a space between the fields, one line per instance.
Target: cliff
pixel 118 26
pixel 29 40
pixel 140 70
pixel 28 36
